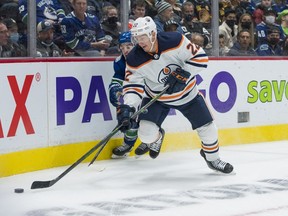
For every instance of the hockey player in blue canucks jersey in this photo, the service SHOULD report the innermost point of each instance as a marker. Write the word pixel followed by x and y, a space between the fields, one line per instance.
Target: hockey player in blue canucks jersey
pixel 115 93
pixel 119 66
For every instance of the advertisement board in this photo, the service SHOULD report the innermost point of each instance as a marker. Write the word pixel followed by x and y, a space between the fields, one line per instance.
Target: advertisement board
pixel 23 107
pixel 53 111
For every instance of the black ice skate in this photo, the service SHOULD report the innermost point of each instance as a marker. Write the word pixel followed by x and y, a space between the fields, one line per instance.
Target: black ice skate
pixel 121 151
pixel 141 150
pixel 218 165
pixel 156 146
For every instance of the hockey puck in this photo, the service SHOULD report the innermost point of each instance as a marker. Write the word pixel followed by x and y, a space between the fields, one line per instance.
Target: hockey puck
pixel 18 190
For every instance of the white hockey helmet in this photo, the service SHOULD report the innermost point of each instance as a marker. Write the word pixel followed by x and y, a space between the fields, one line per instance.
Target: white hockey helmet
pixel 143 25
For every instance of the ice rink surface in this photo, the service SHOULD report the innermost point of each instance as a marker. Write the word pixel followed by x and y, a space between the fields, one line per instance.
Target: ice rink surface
pixel 178 184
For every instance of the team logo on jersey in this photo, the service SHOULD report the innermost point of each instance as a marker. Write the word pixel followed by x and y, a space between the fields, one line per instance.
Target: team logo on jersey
pixel 50 13
pixel 163 74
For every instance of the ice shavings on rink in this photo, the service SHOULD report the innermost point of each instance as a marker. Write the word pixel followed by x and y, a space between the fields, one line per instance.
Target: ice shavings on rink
pixel 178 183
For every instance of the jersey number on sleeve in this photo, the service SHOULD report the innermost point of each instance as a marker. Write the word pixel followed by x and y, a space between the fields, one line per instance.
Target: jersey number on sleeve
pixel 127 74
pixel 193 48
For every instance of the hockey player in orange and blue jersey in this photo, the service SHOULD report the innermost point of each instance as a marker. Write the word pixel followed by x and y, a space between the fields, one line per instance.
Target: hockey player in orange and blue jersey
pixel 115 92
pixel 160 59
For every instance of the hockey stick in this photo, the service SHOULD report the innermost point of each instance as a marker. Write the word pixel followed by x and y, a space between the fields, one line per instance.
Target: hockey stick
pixel 46 184
pixel 97 154
pixel 142 110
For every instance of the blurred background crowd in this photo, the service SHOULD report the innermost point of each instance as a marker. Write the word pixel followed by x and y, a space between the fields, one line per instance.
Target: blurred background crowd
pixel 92 27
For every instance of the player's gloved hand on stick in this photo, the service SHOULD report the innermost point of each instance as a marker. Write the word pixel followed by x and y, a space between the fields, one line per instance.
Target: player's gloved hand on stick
pixel 115 91
pixel 177 80
pixel 124 113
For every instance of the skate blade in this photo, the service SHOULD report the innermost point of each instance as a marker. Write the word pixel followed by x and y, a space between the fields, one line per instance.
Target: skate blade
pixel 138 156
pixel 232 173
pixel 100 169
pixel 216 172
pixel 119 157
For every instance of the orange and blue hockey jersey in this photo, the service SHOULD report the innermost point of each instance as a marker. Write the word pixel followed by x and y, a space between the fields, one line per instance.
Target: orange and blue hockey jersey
pixel 146 73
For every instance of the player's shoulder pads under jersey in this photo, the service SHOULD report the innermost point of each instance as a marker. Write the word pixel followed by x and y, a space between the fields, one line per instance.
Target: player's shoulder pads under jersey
pixel 168 40
pixel 137 56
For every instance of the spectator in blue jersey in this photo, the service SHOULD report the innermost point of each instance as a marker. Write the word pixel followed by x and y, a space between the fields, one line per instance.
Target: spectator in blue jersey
pixel 272 46
pixel 94 7
pixel 82 32
pixel 50 10
pixel 267 23
pixel 45 10
pixel 165 13
pixel 242 47
pixel 115 92
pixel 280 5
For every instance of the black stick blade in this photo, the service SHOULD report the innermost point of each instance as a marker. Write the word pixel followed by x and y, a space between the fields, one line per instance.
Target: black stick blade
pixel 42 184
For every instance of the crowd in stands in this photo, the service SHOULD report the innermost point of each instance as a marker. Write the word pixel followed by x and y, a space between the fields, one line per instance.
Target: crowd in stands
pixel 92 27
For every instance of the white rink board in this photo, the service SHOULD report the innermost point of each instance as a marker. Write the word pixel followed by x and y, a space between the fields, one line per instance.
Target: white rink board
pixel 62 104
pixel 29 128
